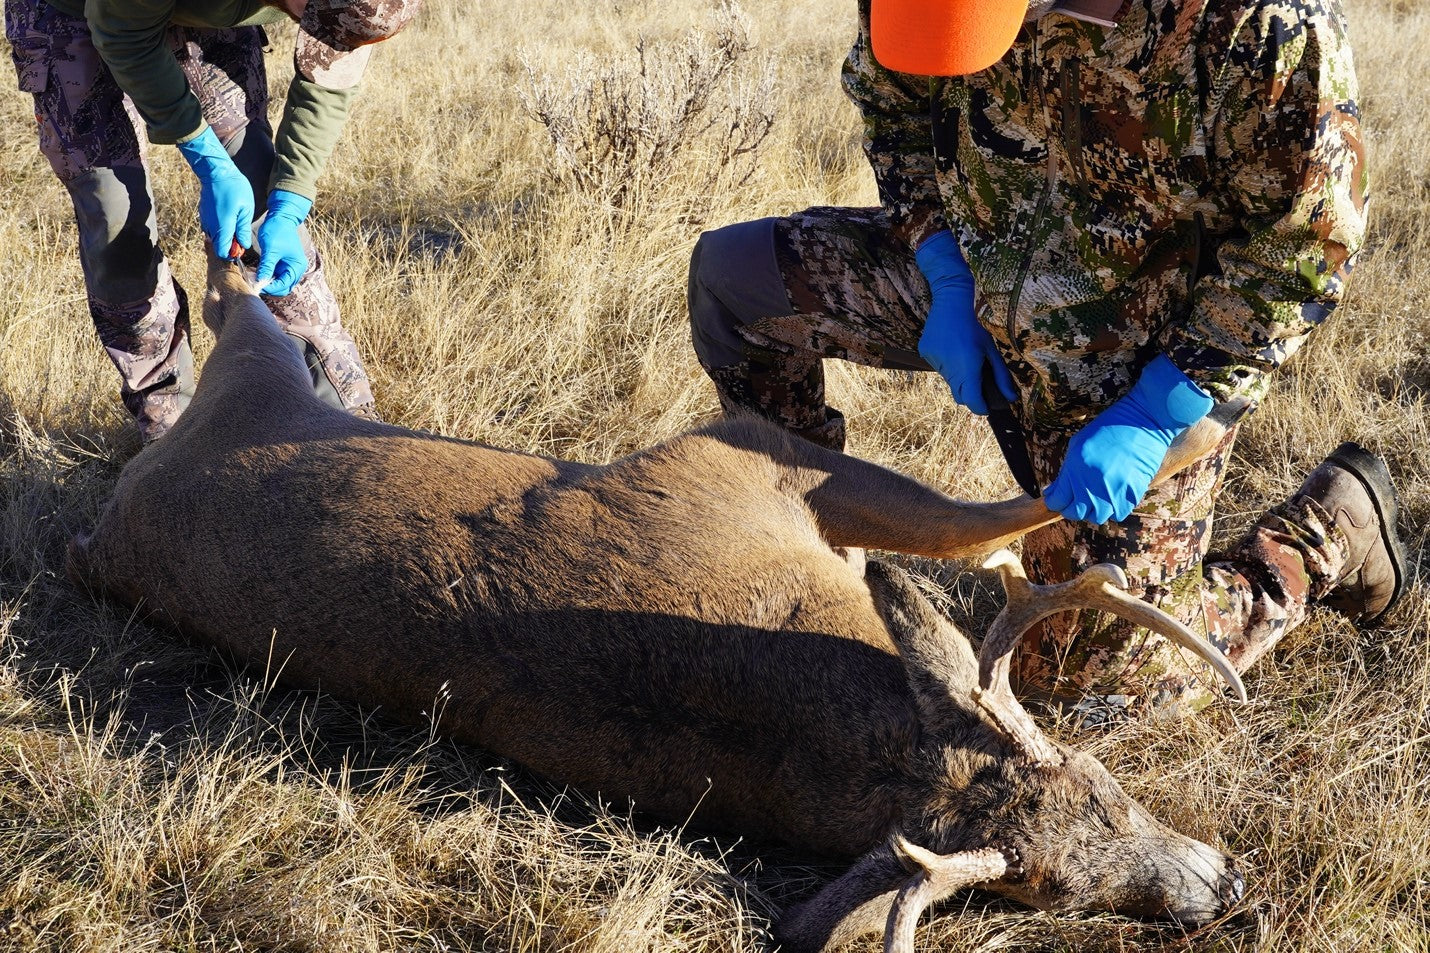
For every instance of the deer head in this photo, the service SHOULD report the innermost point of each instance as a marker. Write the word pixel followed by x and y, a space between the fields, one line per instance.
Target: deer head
pixel 994 802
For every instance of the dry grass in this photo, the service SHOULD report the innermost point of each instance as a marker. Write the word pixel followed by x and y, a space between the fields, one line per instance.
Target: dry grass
pixel 152 799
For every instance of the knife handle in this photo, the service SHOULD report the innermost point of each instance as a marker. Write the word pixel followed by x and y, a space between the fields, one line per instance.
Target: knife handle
pixel 992 396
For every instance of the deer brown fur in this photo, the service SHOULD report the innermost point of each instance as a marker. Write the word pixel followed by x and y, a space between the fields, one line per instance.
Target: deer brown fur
pixel 675 627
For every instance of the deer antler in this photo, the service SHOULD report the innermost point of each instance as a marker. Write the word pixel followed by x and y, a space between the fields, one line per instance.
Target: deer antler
pixel 935 876
pixel 1103 587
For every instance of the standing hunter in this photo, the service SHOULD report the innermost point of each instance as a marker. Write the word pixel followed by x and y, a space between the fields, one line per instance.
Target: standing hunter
pixel 1120 216
pixel 192 72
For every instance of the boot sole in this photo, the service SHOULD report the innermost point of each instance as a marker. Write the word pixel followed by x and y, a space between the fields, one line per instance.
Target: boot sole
pixel 1373 474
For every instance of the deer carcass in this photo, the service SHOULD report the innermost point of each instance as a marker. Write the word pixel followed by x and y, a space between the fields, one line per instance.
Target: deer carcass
pixel 676 627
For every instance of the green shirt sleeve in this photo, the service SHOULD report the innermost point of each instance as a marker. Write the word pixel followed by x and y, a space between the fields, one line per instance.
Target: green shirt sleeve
pixel 131 39
pixel 313 119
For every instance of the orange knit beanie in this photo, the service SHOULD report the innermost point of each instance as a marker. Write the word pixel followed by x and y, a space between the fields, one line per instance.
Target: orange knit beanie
pixel 944 37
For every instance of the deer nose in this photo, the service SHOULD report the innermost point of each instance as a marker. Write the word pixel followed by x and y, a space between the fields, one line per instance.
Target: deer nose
pixel 1233 887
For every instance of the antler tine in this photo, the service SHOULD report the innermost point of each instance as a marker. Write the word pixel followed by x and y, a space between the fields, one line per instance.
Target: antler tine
pixel 1102 587
pixel 1014 619
pixel 935 876
pixel 993 693
pixel 909 905
pixel 1115 599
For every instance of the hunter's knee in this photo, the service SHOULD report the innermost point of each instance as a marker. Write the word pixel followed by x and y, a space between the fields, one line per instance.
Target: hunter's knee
pixel 734 280
pixel 118 247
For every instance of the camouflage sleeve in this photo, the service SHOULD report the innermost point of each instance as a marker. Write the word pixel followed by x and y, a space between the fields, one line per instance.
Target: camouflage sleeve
pixel 130 38
pixel 898 138
pixel 1286 146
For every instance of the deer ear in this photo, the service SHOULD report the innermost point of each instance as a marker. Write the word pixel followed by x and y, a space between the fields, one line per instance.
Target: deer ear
pixel 937 657
pixel 856 904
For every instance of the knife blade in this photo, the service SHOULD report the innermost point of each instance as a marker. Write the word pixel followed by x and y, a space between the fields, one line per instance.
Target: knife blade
pixel 1008 433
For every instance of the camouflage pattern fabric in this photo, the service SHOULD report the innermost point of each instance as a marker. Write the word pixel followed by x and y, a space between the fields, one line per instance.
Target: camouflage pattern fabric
pixel 853 291
pixel 92 136
pixel 1191 182
pixel 310 314
pixel 849 289
pixel 335 38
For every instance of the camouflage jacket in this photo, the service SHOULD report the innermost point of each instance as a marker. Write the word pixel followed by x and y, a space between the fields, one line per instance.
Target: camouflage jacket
pixel 1191 181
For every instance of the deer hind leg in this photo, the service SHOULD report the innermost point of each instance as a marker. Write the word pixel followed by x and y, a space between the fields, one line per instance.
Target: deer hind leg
pixel 253 355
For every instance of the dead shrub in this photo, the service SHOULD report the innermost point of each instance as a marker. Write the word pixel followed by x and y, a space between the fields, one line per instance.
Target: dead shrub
pixel 673 121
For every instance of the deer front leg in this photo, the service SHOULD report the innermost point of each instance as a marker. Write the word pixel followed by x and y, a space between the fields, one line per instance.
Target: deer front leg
pixel 858 503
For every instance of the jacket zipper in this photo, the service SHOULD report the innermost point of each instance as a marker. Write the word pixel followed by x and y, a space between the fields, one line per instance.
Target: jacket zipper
pixel 1072 118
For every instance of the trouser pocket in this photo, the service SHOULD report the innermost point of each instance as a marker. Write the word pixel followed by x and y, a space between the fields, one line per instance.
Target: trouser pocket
pixel 29 42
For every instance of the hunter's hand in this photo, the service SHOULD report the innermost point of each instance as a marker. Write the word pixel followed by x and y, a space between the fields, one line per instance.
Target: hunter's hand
pixel 1111 461
pixel 953 341
pixel 225 195
pixel 284 262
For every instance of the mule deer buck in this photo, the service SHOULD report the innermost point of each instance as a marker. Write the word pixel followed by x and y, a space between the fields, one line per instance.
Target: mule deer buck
pixel 676 627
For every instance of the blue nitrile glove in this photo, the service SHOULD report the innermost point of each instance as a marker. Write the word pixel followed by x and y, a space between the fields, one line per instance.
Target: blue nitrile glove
pixel 225 196
pixel 953 342
pixel 284 260
pixel 1111 461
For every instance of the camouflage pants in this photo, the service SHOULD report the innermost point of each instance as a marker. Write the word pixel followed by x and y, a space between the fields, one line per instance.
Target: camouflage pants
pixel 769 300
pixel 93 138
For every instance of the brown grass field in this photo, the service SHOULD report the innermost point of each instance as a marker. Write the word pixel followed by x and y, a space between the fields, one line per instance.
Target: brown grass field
pixel 518 288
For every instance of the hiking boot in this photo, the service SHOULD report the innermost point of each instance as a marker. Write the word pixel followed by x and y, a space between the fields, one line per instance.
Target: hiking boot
pixel 367 411
pixel 830 434
pixel 1353 486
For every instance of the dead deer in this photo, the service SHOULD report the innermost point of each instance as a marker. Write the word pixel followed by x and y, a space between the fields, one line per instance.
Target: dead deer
pixel 676 628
